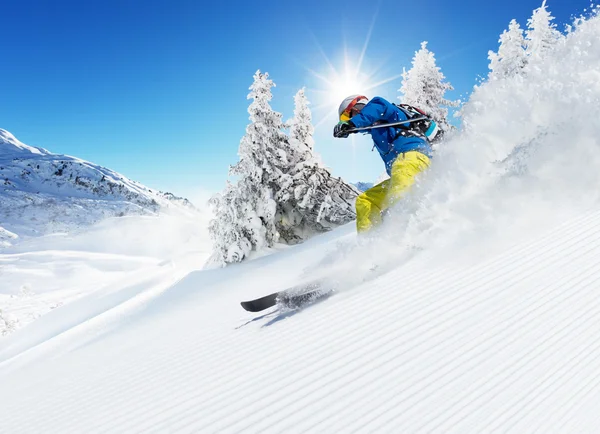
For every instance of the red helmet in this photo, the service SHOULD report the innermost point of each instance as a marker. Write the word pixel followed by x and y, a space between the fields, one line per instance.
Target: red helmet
pixel 348 104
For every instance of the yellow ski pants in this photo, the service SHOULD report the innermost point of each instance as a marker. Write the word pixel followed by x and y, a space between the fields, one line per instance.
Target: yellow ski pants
pixel 371 203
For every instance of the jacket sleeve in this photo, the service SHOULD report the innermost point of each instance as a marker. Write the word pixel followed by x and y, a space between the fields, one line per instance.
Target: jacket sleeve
pixel 377 110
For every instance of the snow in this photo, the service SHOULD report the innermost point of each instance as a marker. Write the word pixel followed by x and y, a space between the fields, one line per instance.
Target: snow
pixel 11 147
pixel 41 274
pixel 43 193
pixel 511 57
pixel 462 346
pixel 477 311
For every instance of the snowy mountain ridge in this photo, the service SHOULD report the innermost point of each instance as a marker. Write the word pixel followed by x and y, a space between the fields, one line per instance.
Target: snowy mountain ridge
pixel 10 146
pixel 42 192
pixel 362 186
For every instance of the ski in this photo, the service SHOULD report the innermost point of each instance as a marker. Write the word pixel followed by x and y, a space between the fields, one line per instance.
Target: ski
pixel 260 303
pixel 291 298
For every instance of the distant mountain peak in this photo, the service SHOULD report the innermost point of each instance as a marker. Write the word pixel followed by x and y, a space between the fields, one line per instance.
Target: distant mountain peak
pixel 10 145
pixel 42 192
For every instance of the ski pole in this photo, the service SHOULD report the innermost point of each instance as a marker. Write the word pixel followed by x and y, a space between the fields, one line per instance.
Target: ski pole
pixel 393 124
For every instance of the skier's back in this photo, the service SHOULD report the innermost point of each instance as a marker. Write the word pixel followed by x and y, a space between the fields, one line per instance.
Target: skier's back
pixel 404 153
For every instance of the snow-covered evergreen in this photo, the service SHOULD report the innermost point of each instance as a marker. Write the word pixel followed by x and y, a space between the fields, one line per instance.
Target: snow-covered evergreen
pixel 301 127
pixel 511 58
pixel 310 200
pixel 283 192
pixel 541 34
pixel 241 223
pixel 424 87
pixel 518 49
pixel 245 211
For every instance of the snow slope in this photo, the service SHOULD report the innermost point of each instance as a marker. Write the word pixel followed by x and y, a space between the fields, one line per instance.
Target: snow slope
pixel 43 273
pixel 463 346
pixel 478 311
pixel 42 193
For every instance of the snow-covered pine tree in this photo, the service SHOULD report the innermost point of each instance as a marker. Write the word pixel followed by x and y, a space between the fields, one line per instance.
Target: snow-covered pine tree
pixel 282 192
pixel 541 34
pixel 313 201
pixel 511 57
pixel 423 86
pixel 237 228
pixel 310 200
pixel 301 128
pixel 245 211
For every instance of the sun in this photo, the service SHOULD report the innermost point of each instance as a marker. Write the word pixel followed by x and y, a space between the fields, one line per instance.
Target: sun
pixel 339 82
pixel 353 76
pixel 344 87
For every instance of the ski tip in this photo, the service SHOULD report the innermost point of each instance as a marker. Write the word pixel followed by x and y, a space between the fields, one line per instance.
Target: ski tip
pixel 260 303
pixel 249 306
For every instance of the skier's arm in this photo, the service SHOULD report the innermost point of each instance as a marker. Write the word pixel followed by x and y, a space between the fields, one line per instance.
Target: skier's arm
pixel 377 110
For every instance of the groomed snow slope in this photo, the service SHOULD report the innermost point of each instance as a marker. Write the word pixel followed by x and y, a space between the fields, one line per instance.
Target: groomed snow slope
pixel 481 314
pixel 510 342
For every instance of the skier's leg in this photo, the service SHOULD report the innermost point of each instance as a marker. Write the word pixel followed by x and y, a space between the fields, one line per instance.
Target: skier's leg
pixel 404 171
pixel 369 206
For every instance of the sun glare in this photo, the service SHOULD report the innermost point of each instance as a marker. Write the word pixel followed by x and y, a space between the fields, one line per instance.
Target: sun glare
pixel 343 82
pixel 344 87
pixel 337 85
pixel 353 77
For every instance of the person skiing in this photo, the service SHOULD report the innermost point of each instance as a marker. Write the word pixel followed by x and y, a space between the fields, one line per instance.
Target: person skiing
pixel 405 153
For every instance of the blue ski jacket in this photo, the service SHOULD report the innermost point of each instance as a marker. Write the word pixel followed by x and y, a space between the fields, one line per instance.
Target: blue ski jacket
pixel 388 141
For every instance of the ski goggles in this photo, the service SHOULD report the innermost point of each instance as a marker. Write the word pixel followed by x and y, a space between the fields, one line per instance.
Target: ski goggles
pixel 347 113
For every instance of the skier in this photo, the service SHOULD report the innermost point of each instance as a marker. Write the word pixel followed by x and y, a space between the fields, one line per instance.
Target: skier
pixel 404 152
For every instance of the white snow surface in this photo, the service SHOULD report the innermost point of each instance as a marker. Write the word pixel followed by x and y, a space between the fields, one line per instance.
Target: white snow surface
pixel 478 311
pixel 43 273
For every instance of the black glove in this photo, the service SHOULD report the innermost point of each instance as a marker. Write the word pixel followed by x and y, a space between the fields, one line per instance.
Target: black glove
pixel 341 129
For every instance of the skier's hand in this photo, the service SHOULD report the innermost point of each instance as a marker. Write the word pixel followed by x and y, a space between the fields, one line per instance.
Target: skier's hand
pixel 341 129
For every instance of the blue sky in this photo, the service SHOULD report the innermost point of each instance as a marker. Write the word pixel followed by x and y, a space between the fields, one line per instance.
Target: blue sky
pixel 157 89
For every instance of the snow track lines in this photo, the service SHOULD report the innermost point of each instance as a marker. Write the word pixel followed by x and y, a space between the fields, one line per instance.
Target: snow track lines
pixel 505 344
